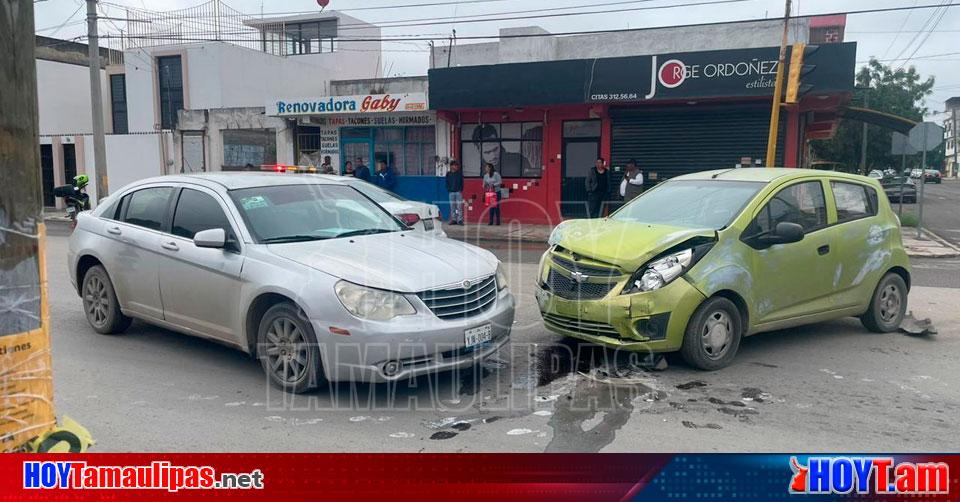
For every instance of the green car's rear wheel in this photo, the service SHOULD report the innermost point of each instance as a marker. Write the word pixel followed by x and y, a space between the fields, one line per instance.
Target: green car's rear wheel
pixel 887 306
pixel 713 334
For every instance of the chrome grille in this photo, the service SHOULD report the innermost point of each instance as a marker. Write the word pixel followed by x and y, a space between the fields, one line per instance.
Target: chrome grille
pixel 458 303
pixel 580 326
pixel 566 287
pixel 583 268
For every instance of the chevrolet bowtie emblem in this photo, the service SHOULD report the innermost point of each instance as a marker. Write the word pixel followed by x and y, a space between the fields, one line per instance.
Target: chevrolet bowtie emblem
pixel 579 277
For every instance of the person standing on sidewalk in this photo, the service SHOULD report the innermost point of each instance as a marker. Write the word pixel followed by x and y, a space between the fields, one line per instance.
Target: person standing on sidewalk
pixel 455 188
pixel 491 185
pixel 361 170
pixel 384 178
pixel 632 184
pixel 598 186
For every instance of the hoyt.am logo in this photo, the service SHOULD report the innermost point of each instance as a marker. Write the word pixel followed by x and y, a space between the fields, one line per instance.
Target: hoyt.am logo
pixel 876 475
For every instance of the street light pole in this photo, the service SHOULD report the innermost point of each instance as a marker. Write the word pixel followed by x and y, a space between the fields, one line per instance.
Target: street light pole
pixel 777 91
pixel 96 101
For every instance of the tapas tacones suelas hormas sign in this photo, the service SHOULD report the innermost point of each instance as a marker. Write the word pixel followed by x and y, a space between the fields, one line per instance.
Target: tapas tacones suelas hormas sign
pixel 363 103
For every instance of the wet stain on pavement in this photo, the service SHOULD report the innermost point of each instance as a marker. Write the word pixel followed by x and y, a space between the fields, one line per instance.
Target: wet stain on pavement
pixel 443 435
pixel 742 414
pixel 490 420
pixel 726 403
pixel 461 426
pixel 765 365
pixel 692 385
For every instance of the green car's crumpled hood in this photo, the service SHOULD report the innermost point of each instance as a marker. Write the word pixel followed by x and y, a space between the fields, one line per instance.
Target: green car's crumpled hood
pixel 623 243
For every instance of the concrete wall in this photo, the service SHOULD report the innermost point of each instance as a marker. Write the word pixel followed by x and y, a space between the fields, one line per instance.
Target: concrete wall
pixel 63 95
pixel 213 122
pixel 629 43
pixel 395 85
pixel 130 157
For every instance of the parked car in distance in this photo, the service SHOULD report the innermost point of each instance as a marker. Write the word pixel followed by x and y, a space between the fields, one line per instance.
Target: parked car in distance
pixel 876 174
pixel 916 173
pixel 306 274
pixel 932 176
pixel 702 260
pixel 898 185
pixel 417 215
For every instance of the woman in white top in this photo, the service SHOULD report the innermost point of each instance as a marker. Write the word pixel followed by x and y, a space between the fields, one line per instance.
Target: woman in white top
pixel 491 184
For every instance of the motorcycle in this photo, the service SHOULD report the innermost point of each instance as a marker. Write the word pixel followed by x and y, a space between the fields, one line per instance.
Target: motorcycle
pixel 75 196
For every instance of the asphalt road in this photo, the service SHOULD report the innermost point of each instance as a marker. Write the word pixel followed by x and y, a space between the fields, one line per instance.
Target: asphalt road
pixel 831 387
pixel 941 209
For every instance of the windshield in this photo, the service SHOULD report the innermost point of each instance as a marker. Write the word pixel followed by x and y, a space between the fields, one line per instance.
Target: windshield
pixel 379 195
pixel 692 204
pixel 296 213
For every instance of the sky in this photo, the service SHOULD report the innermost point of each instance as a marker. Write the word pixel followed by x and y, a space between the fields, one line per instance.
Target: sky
pixel 892 36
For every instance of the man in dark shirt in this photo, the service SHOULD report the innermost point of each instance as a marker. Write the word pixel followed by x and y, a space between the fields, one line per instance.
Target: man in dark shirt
pixel 455 188
pixel 598 186
pixel 361 170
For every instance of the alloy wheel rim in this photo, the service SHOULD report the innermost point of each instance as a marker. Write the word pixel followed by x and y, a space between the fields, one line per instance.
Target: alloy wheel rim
pixel 95 301
pixel 716 335
pixel 890 303
pixel 286 350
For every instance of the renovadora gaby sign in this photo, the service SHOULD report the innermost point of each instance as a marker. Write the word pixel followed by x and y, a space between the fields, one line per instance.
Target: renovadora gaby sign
pixel 364 103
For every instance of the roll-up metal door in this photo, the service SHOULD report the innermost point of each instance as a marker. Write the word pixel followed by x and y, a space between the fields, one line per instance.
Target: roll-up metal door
pixel 672 141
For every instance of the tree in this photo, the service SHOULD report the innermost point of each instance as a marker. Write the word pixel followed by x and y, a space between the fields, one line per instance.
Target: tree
pixel 879 87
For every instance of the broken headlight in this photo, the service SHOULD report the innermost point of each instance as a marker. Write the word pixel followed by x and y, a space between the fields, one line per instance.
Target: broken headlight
pixel 661 271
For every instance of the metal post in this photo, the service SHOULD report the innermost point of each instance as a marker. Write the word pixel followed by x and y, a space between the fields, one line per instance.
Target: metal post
pixel 903 167
pixel 96 102
pixel 923 174
pixel 956 147
pixel 777 91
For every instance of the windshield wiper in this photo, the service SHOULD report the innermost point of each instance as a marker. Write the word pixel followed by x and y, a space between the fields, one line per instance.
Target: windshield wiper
pixel 293 238
pixel 366 231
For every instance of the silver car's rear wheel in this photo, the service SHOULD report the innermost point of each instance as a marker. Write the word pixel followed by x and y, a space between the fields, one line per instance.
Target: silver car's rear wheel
pixel 100 302
pixel 287 348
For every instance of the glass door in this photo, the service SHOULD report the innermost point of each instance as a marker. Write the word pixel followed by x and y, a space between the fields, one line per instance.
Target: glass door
pixel 356 142
pixel 581 147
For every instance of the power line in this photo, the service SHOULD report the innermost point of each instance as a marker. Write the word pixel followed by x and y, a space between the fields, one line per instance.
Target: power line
pixel 932 28
pixel 921 31
pixel 64 23
pixel 902 26
pixel 586 32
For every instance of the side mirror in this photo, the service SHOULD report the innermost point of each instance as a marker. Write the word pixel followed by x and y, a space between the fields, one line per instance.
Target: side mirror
pixel 786 232
pixel 211 238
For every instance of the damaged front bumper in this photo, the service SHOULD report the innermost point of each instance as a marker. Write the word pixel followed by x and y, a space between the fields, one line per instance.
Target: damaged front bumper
pixel 653 321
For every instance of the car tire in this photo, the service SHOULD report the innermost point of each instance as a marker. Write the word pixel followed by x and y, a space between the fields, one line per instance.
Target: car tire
pixel 713 334
pixel 100 304
pixel 887 305
pixel 287 349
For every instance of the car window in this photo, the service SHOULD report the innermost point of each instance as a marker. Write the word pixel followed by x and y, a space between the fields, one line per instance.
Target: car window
pixel 690 203
pixel 854 201
pixel 197 211
pixel 147 207
pixel 802 203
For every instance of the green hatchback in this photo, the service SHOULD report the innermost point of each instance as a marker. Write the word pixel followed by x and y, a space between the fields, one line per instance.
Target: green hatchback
pixel 703 260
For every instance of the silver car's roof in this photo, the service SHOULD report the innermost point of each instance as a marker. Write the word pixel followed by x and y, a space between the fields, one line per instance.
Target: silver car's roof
pixel 236 180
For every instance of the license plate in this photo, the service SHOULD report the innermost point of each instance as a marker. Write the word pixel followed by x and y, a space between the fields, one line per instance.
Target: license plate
pixel 71 209
pixel 478 335
pixel 428 224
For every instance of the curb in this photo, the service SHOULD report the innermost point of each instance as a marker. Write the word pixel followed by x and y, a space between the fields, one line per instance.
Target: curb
pixel 953 252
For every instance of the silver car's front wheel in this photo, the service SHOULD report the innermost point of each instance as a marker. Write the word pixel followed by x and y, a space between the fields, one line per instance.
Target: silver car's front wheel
pixel 287 349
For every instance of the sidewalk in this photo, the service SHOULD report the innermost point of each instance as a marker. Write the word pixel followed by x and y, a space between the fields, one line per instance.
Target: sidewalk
pixel 933 246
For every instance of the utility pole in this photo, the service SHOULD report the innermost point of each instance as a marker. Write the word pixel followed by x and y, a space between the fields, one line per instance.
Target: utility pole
pixel 96 101
pixel 956 146
pixel 777 92
pixel 863 141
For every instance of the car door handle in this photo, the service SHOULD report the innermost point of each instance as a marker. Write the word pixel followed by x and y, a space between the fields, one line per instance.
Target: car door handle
pixel 822 250
pixel 172 246
pixel 114 230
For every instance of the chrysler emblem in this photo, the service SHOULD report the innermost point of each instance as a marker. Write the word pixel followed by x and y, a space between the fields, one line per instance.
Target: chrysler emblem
pixel 579 277
pixel 466 284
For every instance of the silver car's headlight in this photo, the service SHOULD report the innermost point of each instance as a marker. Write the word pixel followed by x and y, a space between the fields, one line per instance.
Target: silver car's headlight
pixel 501 277
pixel 372 304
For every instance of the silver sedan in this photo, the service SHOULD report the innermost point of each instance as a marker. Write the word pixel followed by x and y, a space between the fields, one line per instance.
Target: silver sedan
pixel 310 276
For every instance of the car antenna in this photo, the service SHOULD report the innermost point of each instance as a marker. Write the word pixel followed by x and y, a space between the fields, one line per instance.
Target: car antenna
pixel 721 172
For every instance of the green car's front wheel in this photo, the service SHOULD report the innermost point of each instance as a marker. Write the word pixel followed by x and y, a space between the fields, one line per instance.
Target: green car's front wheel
pixel 713 334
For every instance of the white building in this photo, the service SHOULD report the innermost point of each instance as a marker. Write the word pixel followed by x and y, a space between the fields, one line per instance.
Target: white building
pixel 189 102
pixel 950 137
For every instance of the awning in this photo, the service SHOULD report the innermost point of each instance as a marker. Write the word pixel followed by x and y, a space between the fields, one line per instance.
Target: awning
pixel 882 119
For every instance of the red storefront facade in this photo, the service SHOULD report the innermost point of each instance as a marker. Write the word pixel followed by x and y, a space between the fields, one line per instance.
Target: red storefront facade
pixel 674 114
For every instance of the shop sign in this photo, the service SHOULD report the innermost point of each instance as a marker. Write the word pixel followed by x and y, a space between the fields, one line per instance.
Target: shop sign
pixel 362 104
pixel 372 120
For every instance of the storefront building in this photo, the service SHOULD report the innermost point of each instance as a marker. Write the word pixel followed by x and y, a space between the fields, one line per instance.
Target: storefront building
pixel 395 128
pixel 544 123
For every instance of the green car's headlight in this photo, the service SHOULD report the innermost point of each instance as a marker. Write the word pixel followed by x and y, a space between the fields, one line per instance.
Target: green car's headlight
pixel 372 304
pixel 665 268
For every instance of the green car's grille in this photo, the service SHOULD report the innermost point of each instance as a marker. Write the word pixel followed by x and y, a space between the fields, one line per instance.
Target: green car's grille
pixel 566 287
pixel 580 326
